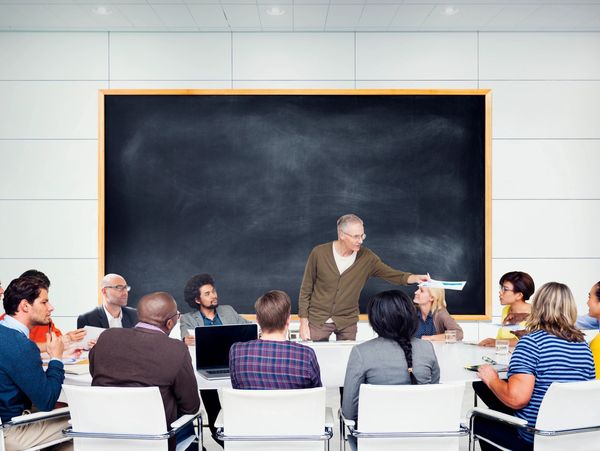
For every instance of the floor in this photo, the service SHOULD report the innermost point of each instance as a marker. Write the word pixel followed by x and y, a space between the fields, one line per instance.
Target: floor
pixel 333 401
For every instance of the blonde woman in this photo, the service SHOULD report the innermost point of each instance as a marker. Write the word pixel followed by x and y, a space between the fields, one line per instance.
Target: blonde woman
pixel 516 287
pixel 433 317
pixel 553 350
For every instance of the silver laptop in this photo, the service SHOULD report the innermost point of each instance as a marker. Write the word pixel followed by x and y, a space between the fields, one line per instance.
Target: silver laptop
pixel 213 344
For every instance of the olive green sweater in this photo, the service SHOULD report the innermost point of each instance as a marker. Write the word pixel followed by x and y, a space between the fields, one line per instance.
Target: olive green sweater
pixel 326 294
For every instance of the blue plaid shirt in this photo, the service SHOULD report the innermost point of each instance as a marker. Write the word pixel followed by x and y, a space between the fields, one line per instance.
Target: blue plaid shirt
pixel 273 365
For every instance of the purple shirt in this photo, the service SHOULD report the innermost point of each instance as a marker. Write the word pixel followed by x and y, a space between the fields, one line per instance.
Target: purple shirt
pixel 273 365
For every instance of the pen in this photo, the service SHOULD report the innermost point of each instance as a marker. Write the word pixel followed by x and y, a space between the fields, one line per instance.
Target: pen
pixel 489 360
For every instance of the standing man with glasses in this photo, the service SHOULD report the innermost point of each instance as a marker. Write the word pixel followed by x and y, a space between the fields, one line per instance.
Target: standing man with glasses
pixel 114 311
pixel 335 274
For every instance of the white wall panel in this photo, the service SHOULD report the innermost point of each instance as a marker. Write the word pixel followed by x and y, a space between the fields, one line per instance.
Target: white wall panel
pixel 170 84
pixel 578 274
pixel 49 169
pixel 416 84
pixel 47 110
pixel 545 109
pixel 542 56
pixel 416 56
pixel 46 229
pixel 293 84
pixel 170 56
pixel 73 282
pixel 545 229
pixel 53 56
pixel 546 169
pixel 470 330
pixel 300 56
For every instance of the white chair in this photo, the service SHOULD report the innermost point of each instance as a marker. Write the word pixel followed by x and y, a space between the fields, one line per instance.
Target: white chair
pixel 131 418
pixel 568 419
pixel 22 420
pixel 279 420
pixel 407 417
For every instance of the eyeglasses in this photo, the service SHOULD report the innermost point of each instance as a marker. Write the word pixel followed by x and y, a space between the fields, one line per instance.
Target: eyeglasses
pixel 178 315
pixel 119 287
pixel 503 289
pixel 356 237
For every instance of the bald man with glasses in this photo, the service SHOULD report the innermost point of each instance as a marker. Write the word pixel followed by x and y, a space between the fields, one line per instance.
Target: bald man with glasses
pixel 114 311
pixel 334 276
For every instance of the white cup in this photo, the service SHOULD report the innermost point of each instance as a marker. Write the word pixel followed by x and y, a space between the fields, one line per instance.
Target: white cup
pixel 450 336
pixel 502 347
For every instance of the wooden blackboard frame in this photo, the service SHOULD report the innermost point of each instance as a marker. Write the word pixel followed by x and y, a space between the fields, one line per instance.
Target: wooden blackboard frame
pixel 393 92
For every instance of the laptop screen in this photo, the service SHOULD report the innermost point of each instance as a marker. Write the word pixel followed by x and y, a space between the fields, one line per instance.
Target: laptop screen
pixel 213 343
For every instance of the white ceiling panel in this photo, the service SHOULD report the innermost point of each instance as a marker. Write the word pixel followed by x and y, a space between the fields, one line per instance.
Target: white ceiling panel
pixel 281 22
pixel 377 16
pixel 343 17
pixel 548 16
pixel 411 16
pixel 242 17
pixel 176 16
pixel 28 16
pixel 347 15
pixel 140 15
pixel 461 17
pixel 75 16
pixel 209 16
pixel 310 17
pixel 511 15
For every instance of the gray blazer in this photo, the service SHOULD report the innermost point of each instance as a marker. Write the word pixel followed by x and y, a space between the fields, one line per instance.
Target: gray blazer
pixel 381 362
pixel 192 320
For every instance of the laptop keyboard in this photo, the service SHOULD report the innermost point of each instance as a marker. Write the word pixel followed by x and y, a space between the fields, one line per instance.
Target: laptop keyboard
pixel 216 372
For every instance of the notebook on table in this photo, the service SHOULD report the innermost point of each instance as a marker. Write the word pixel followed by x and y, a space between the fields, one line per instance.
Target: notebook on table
pixel 213 344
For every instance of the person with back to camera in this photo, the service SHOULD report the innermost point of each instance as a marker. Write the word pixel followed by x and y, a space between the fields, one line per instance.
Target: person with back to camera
pixel 553 350
pixel 516 288
pixel 594 312
pixel 395 357
pixel 433 317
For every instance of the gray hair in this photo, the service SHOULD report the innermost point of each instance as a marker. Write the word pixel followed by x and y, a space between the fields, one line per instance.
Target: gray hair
pixel 347 219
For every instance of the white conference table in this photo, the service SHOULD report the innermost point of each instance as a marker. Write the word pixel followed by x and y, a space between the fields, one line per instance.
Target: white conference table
pixel 333 358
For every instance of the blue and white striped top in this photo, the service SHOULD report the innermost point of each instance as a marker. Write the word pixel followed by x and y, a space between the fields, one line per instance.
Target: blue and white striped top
pixel 550 359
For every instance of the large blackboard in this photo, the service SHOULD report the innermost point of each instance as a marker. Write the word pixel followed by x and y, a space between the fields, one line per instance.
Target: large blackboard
pixel 244 185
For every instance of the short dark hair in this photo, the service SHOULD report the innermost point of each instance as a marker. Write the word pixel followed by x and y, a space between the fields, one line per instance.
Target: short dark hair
pixel 28 288
pixel 273 310
pixel 598 290
pixel 522 283
pixel 190 292
pixel 38 275
pixel 393 315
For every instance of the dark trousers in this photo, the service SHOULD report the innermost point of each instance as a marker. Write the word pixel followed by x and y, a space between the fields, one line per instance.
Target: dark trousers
pixel 503 435
pixel 212 405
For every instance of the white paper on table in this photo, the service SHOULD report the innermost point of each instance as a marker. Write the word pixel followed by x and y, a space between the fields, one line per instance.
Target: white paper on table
pixel 445 284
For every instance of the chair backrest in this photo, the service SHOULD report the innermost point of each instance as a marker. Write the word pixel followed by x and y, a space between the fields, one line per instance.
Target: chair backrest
pixel 568 406
pixel 116 410
pixel 273 412
pixel 409 408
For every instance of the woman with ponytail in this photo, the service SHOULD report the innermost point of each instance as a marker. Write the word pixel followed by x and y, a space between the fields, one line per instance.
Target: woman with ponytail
pixel 395 357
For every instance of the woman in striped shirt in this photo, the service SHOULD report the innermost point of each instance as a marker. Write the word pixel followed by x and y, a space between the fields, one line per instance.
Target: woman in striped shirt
pixel 554 350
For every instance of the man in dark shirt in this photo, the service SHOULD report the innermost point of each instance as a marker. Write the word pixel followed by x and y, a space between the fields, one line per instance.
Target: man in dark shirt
pixel 145 356
pixel 273 362
pixel 23 382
